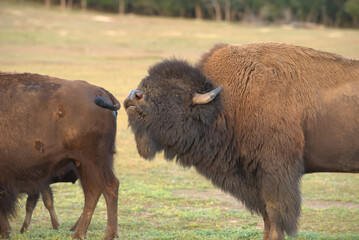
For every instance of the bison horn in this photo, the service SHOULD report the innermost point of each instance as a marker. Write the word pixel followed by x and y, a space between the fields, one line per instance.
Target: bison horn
pixel 205 97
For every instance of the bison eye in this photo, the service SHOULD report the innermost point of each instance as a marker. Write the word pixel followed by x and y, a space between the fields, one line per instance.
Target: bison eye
pixel 177 97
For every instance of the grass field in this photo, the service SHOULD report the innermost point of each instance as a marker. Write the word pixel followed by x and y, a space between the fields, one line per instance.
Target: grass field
pixel 159 200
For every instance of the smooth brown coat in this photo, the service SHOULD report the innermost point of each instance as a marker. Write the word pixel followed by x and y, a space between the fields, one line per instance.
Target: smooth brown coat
pixel 47 122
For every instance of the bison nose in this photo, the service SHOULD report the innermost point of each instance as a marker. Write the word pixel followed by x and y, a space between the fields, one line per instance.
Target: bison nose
pixel 138 94
pixel 135 95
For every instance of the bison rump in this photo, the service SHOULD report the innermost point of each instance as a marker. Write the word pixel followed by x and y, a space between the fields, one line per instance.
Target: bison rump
pixel 45 122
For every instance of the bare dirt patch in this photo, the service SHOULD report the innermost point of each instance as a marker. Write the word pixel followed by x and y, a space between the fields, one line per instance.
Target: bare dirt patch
pixel 232 203
pixel 317 204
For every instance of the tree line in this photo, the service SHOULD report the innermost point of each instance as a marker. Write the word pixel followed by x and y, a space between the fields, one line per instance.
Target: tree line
pixel 339 13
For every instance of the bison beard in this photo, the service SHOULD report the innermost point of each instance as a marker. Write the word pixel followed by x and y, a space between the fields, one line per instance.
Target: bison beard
pixel 259 135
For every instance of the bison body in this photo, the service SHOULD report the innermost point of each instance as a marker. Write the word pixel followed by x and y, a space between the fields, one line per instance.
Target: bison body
pixel 45 124
pixel 283 111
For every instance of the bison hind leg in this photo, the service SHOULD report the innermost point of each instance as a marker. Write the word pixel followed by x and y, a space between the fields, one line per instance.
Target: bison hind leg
pixel 97 179
pixel 111 196
pixel 92 192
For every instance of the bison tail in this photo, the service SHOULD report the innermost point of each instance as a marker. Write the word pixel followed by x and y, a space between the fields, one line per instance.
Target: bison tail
pixel 102 102
pixel 8 201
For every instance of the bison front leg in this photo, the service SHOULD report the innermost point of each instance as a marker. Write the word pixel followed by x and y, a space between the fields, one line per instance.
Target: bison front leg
pixel 30 206
pixel 282 205
pixel 266 226
pixel 272 231
pixel 276 231
pixel 47 198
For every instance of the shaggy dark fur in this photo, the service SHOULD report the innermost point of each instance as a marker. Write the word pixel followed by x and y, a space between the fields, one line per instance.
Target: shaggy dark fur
pixel 47 123
pixel 263 131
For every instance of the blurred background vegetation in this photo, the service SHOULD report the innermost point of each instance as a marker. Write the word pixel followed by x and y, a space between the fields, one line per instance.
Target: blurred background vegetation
pixel 307 13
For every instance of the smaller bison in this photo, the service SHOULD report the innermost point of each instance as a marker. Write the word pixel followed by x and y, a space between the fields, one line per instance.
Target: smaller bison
pixel 253 119
pixel 66 174
pixel 47 123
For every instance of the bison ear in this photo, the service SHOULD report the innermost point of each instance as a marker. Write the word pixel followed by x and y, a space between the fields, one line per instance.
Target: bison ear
pixel 205 97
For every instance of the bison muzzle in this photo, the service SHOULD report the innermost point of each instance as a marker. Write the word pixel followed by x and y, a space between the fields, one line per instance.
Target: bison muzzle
pixel 283 111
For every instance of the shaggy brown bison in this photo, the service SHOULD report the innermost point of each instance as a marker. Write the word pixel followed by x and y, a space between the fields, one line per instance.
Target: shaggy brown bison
pixel 46 123
pixel 66 174
pixel 283 111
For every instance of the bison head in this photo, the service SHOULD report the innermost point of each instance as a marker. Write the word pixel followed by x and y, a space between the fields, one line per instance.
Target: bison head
pixel 171 108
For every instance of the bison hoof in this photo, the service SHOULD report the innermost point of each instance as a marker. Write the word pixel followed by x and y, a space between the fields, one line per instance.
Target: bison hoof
pixel 110 236
pixel 73 228
pixel 5 235
pixel 79 236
